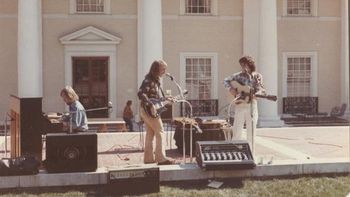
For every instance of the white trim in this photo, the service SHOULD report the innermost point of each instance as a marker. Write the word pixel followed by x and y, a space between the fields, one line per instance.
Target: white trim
pixel 106 8
pixel 214 69
pixel 314 9
pixel 109 16
pixel 104 37
pixel 314 73
pixel 84 48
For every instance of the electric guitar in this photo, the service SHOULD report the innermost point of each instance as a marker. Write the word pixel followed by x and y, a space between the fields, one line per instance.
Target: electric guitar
pixel 159 105
pixel 244 93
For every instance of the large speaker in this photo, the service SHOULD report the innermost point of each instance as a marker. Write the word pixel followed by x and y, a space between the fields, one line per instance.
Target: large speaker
pixel 133 180
pixel 26 127
pixel 75 152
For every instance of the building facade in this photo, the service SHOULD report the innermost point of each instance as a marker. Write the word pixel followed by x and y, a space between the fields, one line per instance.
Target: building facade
pixel 103 48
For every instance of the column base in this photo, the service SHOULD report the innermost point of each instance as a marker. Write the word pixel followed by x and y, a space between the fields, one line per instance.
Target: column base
pixel 270 122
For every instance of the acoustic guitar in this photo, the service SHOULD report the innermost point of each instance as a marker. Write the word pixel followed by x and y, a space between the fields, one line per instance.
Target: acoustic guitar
pixel 244 93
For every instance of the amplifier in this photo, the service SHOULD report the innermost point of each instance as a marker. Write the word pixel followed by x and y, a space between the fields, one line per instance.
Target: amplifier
pixel 133 180
pixel 76 152
pixel 224 155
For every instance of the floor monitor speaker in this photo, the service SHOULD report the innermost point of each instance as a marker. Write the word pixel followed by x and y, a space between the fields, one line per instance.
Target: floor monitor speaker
pixel 132 180
pixel 75 152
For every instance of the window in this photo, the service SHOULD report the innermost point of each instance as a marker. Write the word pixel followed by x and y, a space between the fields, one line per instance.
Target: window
pixel 198 77
pixel 300 75
pixel 90 6
pixel 300 7
pixel 199 74
pixel 198 7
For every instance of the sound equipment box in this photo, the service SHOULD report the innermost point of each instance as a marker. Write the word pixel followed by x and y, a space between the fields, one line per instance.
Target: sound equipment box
pixel 211 131
pixel 26 127
pixel 224 155
pixel 130 180
pixel 76 152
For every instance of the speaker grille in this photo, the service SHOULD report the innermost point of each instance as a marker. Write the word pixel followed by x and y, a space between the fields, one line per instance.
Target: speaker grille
pixel 71 152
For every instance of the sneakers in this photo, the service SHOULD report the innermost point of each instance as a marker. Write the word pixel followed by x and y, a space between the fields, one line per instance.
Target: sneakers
pixel 166 162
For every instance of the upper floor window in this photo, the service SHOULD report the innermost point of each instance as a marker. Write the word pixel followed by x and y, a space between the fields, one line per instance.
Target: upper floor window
pixel 90 6
pixel 300 7
pixel 198 7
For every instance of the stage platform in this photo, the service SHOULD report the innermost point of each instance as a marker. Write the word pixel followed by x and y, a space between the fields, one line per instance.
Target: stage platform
pixel 279 152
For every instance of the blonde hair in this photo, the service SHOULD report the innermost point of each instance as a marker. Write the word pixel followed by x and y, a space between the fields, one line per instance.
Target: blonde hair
pixel 155 67
pixel 69 93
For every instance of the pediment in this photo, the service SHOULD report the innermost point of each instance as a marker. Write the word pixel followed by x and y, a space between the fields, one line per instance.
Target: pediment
pixel 90 35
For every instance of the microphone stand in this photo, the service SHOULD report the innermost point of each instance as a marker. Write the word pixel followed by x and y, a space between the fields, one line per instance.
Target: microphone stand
pixel 183 133
pixel 86 110
pixel 183 100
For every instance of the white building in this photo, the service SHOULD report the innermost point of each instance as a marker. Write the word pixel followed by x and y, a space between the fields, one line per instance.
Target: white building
pixel 103 48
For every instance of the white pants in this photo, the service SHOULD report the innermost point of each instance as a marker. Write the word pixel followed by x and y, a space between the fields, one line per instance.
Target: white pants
pixel 243 115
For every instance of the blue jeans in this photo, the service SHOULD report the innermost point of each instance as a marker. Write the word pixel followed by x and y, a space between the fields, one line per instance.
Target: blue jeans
pixel 128 123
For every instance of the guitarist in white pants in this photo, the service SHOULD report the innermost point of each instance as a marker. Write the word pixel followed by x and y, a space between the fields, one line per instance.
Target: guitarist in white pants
pixel 150 89
pixel 243 86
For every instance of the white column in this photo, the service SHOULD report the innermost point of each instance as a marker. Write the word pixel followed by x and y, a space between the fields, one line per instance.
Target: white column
pixel 267 64
pixel 150 44
pixel 345 53
pixel 29 47
pixel 251 12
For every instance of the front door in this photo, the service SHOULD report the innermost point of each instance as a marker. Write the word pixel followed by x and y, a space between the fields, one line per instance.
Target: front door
pixel 90 81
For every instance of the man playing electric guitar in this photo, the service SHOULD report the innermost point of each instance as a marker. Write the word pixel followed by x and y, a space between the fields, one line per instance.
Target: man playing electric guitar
pixel 150 90
pixel 246 108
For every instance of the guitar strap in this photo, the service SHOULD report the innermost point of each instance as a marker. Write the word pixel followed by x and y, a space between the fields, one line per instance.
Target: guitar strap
pixel 161 90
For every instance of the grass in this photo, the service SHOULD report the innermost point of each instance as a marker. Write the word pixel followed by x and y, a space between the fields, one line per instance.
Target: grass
pixel 303 186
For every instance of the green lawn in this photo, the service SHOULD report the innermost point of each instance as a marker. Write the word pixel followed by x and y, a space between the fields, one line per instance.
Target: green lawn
pixel 331 186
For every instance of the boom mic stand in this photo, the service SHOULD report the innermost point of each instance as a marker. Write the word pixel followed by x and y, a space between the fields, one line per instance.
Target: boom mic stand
pixel 183 100
pixel 87 110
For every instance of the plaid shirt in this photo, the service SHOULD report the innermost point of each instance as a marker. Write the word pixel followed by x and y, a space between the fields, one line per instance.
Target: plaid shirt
pixel 243 78
pixel 149 88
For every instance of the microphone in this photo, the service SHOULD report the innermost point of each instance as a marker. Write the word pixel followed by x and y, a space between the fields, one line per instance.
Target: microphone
pixel 109 104
pixel 169 75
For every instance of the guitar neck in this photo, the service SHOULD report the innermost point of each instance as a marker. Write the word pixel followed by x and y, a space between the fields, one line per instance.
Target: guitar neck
pixel 269 97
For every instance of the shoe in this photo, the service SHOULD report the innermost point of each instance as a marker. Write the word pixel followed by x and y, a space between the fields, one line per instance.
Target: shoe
pixel 166 162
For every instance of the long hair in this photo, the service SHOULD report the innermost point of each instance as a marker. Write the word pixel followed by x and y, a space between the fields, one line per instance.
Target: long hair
pixel 249 61
pixel 154 70
pixel 69 93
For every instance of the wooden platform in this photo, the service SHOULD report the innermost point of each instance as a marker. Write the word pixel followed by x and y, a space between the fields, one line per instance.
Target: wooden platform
pixel 108 126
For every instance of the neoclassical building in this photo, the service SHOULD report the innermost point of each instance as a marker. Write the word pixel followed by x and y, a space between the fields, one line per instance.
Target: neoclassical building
pixel 103 48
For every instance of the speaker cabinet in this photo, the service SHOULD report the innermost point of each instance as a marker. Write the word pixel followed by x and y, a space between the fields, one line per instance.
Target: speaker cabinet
pixel 133 180
pixel 26 126
pixel 75 152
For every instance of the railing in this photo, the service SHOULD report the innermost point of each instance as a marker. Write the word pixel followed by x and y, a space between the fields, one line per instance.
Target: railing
pixel 293 105
pixel 205 107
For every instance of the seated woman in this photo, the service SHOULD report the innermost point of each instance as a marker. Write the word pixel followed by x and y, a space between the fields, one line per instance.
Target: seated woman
pixel 77 115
